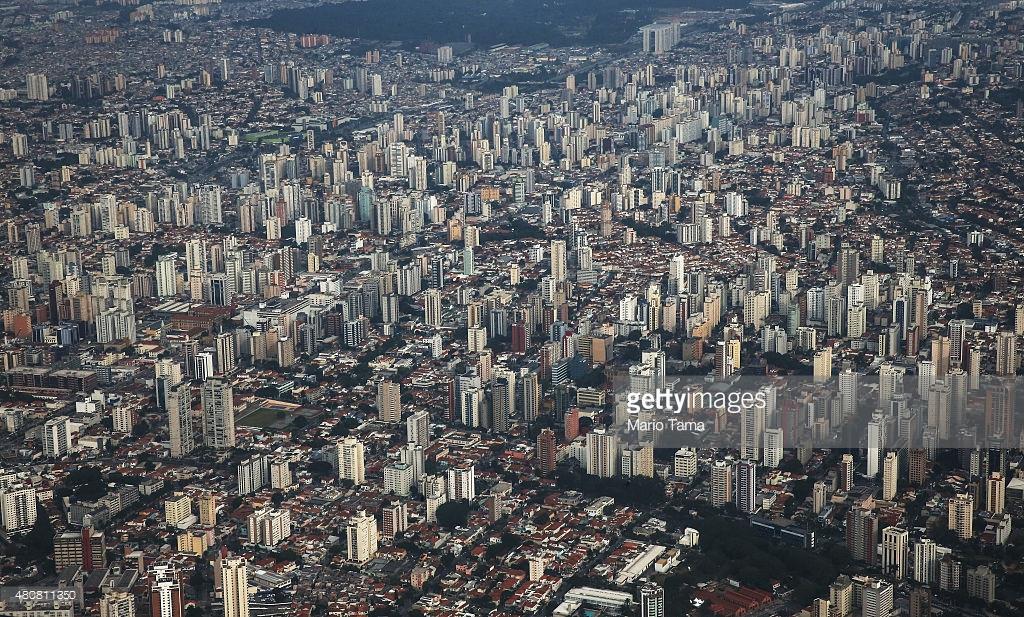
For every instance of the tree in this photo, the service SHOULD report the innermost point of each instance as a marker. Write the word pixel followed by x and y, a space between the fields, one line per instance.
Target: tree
pixel 141 428
pixel 320 468
pixel 453 514
pixel 37 544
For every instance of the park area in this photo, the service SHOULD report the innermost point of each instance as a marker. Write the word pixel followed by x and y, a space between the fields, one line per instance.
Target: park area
pixel 276 415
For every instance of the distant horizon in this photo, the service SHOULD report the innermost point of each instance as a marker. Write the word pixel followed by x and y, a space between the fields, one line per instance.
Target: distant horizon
pixel 525 22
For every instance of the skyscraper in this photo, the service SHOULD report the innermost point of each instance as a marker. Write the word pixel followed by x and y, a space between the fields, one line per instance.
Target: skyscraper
pixel 432 308
pixel 165 592
pixel 1006 354
pixel 546 451
pixel 351 460
pixel 117 603
pixel 362 538
pixel 925 562
pixel 235 582
pixel 417 428
pixel 57 437
pixel 559 268
pixel 890 475
pixel 166 275
pixel 920 602
pixel 18 507
pixel 995 493
pixel 862 534
pixel 652 600
pixel 961 515
pixel 846 472
pixel 602 453
pixel 179 420
pixel 462 483
pixel 894 552
pixel 877 599
pixel 218 414
pixel 746 486
pixel 876 444
pixel 721 483
pixel 684 463
pixel 389 402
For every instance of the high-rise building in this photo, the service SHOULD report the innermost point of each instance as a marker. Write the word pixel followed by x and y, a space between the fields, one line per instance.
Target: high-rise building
pixel 890 383
pixel 559 267
pixel 820 607
pixel 37 87
pixel 961 515
pixel 394 519
pixel 57 437
pixel 166 275
pixel 920 602
pixel 862 534
pixel 417 428
pixel 389 402
pixel 398 478
pixel 840 596
pixel 846 472
pixel 167 374
pixel 218 413
pixel 224 346
pixel 995 493
pixel 652 600
pixel 546 451
pixel 235 585
pixel 721 483
pixel 86 549
pixel 773 447
pixel 462 483
pixel 917 466
pixel 659 38
pixel 746 486
pixel 684 463
pixel 165 592
pixel 877 599
pixel 432 308
pixel 117 603
pixel 602 453
pixel 179 420
pixel 876 441
pixel 1006 354
pixel 253 474
pixel 208 510
pixel 637 460
pixel 980 583
pixel 280 474
pixel 362 538
pixel 18 507
pixel 926 562
pixel 752 425
pixel 177 508
pixel 351 465
pixel 269 526
pixel 819 496
pixel 894 552
pixel 890 475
